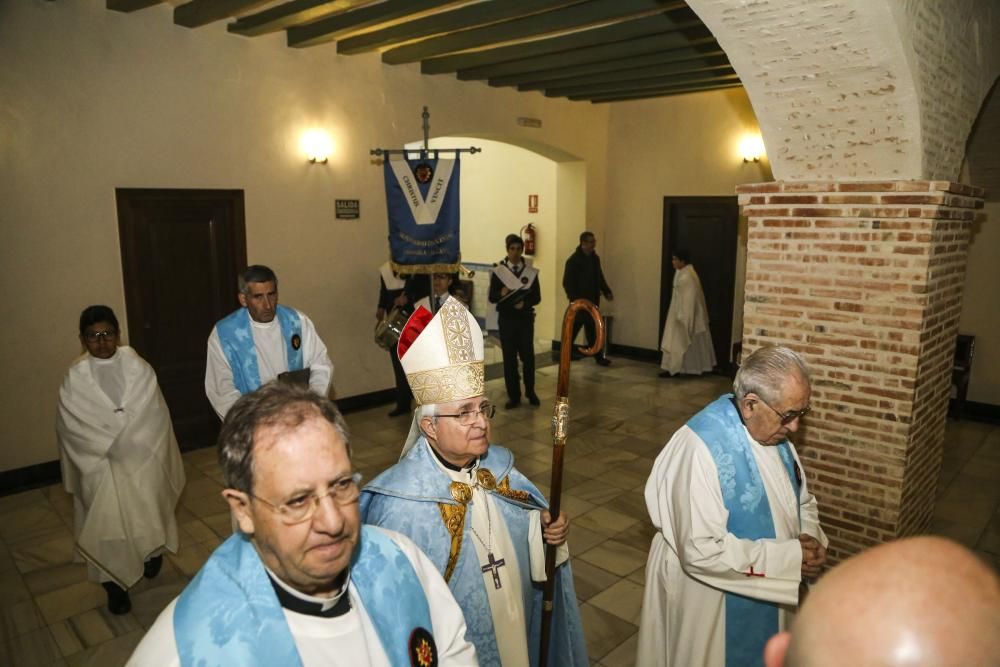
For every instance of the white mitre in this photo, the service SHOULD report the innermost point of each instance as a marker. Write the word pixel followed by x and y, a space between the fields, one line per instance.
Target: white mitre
pixel 442 356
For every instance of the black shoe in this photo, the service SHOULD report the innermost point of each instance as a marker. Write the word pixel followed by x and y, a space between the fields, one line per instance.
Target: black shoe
pixel 152 567
pixel 664 374
pixel 399 411
pixel 533 399
pixel 603 361
pixel 510 405
pixel 118 600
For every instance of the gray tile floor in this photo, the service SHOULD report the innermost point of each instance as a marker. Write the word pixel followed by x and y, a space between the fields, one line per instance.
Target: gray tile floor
pixel 621 417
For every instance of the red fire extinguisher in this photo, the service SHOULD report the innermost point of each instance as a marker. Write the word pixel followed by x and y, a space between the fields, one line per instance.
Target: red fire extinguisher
pixel 528 236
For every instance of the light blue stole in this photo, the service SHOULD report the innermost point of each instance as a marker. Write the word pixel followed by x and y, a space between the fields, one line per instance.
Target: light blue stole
pixel 236 338
pixel 230 615
pixel 749 623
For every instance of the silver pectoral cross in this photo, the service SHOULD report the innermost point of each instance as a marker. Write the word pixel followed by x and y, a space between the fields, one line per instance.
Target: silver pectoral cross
pixel 493 567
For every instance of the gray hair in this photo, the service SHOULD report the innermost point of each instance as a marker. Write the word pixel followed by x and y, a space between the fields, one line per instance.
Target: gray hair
pixel 765 371
pixel 256 273
pixel 277 404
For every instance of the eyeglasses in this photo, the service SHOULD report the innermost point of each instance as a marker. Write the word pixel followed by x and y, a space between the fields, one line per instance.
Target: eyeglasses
pixel 301 508
pixel 94 336
pixel 468 417
pixel 790 416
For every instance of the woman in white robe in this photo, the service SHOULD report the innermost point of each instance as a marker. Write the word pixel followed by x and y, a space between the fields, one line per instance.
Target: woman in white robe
pixel 119 458
pixel 687 342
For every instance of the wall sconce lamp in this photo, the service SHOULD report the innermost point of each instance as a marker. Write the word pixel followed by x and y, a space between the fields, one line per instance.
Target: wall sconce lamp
pixel 317 146
pixel 752 148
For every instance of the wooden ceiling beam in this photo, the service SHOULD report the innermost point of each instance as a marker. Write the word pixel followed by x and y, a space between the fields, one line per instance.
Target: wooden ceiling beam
pixel 197 13
pixel 654 83
pixel 353 21
pixel 540 77
pixel 649 94
pixel 569 18
pixel 129 5
pixel 598 57
pixel 709 66
pixel 624 31
pixel 285 15
pixel 469 16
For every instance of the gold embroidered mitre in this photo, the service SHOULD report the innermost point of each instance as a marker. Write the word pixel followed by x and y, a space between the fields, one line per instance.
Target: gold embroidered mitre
pixel 442 354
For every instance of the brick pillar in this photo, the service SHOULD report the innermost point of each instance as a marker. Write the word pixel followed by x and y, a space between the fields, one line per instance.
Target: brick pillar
pixel 865 279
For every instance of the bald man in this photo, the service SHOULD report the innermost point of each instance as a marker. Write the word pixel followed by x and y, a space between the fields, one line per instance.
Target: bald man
pixel 919 601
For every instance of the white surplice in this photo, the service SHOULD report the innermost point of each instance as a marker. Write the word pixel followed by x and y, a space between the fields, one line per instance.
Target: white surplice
pixel 693 560
pixel 349 640
pixel 272 359
pixel 687 341
pixel 120 462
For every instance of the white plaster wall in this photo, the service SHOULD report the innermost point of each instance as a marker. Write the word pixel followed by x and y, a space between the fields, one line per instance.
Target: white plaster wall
pixel 495 188
pixel 92 99
pixel 676 146
pixel 981 306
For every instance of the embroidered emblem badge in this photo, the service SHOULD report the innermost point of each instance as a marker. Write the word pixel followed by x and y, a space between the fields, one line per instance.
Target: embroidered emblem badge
pixel 460 492
pixel 423 652
pixel 486 479
pixel 423 173
pixel 296 341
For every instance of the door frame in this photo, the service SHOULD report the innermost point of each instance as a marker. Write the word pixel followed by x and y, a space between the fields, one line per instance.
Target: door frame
pixel 724 364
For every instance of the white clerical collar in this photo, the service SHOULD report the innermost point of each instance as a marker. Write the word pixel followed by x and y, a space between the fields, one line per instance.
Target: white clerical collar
pixel 466 474
pixel 324 604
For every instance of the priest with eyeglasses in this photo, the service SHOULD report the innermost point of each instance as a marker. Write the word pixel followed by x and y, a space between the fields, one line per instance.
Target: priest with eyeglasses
pixel 481 522
pixel 302 582
pixel 738 531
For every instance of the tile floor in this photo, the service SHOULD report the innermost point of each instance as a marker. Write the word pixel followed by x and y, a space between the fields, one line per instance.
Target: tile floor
pixel 621 417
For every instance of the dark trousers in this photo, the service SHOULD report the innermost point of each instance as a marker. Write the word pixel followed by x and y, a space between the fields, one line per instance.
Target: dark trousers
pixel 517 339
pixel 403 393
pixel 583 319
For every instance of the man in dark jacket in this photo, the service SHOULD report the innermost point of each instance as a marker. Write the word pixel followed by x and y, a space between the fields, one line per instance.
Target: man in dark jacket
pixel 583 279
pixel 515 291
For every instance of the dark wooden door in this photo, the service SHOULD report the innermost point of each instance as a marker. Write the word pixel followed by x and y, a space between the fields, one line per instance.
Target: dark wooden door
pixel 707 228
pixel 181 251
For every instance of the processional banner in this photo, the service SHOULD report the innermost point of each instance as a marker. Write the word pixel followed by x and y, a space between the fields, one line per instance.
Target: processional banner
pixel 422 202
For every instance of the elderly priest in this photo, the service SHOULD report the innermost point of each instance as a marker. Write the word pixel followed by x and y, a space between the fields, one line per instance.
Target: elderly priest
pixel 481 522
pixel 303 583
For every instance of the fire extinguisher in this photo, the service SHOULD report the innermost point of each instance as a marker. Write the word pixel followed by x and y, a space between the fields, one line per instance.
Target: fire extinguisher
pixel 528 236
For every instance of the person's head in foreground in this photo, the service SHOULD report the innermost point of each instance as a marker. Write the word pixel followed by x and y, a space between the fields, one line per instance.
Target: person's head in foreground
pixel 923 601
pixel 772 393
pixel 286 458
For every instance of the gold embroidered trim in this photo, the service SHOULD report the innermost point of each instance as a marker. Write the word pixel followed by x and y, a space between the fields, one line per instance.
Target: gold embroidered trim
pixel 457 332
pixel 452 383
pixel 486 479
pixel 503 488
pixel 454 521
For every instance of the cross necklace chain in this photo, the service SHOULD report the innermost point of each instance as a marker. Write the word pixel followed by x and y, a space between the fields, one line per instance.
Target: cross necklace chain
pixel 493 565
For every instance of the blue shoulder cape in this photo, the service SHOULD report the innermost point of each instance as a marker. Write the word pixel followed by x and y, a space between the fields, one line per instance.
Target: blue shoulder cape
pixel 230 615
pixel 236 339
pixel 408 498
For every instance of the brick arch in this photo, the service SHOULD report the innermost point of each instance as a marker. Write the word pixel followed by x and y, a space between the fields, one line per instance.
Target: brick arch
pixel 861 89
